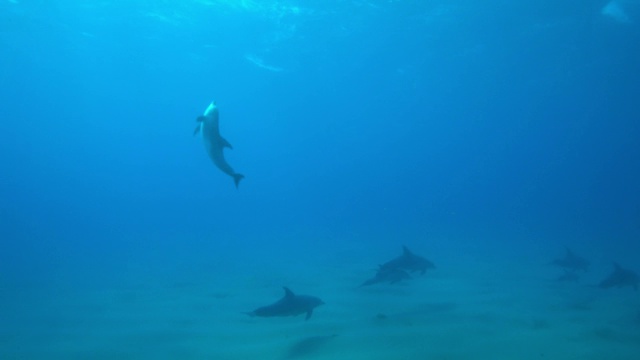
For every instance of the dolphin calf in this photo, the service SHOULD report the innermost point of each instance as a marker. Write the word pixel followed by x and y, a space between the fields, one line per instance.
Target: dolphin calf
pixel 214 143
pixel 408 261
pixel 620 277
pixel 290 305
pixel 571 262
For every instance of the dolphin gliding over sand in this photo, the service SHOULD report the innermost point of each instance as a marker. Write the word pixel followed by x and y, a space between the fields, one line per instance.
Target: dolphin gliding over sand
pixel 289 305
pixel 208 127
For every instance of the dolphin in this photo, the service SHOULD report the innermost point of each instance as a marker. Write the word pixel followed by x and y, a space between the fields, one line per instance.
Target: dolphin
pixel 392 276
pixel 214 143
pixel 568 276
pixel 620 277
pixel 571 262
pixel 289 305
pixel 408 261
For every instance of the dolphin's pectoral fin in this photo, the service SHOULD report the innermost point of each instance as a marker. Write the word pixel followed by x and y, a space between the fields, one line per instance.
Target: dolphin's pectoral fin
pixel 225 143
pixel 309 313
pixel 201 118
pixel 197 130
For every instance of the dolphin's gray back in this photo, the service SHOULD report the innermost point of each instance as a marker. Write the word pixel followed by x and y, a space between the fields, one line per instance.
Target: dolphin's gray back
pixel 214 144
pixel 289 305
pixel 280 308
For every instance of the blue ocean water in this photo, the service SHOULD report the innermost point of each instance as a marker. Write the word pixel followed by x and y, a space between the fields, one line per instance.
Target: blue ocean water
pixel 478 133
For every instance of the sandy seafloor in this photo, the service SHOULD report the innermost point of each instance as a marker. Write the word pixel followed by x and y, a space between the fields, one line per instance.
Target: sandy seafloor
pixel 468 308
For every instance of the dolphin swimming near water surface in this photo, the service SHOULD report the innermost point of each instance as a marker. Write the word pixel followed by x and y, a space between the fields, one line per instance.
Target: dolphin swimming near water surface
pixel 214 143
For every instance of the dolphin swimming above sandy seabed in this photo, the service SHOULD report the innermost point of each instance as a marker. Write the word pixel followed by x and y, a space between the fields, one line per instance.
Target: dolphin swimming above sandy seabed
pixel 408 261
pixel 289 305
pixel 214 143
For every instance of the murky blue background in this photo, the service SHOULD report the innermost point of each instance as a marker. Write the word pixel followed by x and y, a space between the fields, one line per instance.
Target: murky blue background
pixel 506 124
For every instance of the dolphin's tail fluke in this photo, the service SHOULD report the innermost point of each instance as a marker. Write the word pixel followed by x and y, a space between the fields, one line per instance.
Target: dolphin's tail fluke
pixel 237 178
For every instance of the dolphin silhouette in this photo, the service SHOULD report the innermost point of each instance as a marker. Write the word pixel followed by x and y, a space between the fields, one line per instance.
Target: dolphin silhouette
pixel 620 277
pixel 289 305
pixel 568 276
pixel 571 262
pixel 408 261
pixel 214 143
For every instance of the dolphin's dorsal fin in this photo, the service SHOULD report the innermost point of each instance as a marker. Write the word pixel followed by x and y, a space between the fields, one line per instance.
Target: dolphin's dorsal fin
pixel 406 251
pixel 225 143
pixel 288 293
pixel 616 266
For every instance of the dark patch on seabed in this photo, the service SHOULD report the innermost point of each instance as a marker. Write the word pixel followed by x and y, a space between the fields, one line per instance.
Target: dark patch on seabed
pixel 308 346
